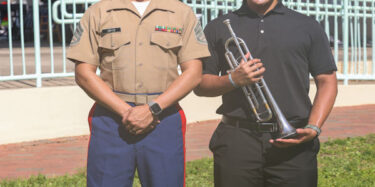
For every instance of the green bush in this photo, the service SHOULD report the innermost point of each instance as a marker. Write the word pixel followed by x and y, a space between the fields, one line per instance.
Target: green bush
pixel 342 162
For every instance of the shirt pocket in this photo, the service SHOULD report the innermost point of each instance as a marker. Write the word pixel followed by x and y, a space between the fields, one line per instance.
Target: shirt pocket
pixel 167 41
pixel 111 47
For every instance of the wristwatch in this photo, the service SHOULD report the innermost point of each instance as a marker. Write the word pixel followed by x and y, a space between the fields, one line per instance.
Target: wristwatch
pixel 155 108
pixel 315 128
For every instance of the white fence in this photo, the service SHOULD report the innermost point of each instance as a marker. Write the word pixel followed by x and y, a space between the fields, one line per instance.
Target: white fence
pixel 348 23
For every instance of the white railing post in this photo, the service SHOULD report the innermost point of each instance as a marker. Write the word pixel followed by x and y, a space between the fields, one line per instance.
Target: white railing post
pixel 346 41
pixel 10 38
pixel 38 67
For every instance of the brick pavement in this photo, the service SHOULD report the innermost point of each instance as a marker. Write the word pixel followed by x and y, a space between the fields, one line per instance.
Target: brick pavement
pixel 66 155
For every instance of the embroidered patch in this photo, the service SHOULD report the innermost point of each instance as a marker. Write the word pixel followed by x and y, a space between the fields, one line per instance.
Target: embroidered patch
pixel 77 34
pixel 168 29
pixel 111 30
pixel 199 34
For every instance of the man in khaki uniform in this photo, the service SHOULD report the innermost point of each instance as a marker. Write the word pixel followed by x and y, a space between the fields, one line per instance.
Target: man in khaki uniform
pixel 137 122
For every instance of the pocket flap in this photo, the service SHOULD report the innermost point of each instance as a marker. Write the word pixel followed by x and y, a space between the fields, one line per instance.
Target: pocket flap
pixel 114 41
pixel 166 40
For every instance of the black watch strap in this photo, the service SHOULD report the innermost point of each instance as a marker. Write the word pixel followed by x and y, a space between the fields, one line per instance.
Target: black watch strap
pixel 154 108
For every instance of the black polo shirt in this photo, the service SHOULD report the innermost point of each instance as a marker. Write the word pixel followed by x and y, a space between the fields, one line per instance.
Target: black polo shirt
pixel 290 45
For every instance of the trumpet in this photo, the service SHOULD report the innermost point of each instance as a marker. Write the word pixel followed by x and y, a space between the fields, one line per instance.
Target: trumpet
pixel 258 91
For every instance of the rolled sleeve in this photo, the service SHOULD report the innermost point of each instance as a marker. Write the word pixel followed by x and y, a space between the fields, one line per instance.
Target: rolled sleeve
pixel 84 44
pixel 194 43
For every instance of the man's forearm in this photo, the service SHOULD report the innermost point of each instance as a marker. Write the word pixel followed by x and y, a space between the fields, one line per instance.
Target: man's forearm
pixel 187 81
pixel 213 85
pixel 98 90
pixel 324 99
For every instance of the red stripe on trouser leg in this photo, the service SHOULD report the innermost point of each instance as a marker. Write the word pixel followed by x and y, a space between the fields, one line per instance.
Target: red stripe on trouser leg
pixel 183 128
pixel 91 114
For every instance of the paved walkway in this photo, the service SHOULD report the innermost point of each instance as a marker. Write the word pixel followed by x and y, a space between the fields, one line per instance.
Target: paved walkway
pixel 66 155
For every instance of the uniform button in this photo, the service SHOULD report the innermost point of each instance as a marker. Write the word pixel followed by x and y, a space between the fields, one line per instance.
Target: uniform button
pixel 168 44
pixel 262 31
pixel 140 43
pixel 140 64
pixel 139 85
pixel 262 20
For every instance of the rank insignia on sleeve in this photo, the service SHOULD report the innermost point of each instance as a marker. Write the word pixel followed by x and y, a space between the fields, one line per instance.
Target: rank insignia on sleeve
pixel 77 34
pixel 199 34
pixel 168 29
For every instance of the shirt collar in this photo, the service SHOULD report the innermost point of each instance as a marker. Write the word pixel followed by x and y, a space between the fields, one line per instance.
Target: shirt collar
pixel 154 4
pixel 245 10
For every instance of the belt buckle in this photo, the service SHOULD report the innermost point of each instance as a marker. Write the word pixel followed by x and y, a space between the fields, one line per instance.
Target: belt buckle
pixel 267 127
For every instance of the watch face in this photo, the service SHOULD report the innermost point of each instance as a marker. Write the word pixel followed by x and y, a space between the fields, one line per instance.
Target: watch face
pixel 155 108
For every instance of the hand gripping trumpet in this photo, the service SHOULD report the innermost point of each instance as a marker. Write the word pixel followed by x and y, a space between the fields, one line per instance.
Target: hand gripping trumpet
pixel 259 89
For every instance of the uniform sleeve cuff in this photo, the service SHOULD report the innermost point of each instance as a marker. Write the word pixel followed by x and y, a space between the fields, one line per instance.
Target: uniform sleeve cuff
pixel 192 56
pixel 74 57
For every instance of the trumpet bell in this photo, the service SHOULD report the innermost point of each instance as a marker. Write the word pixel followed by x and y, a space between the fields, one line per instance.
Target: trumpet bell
pixel 286 132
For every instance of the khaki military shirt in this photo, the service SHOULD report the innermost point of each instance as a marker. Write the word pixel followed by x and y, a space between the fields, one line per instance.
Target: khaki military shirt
pixel 138 55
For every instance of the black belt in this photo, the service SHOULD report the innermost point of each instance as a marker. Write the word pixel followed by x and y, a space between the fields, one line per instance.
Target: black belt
pixel 260 127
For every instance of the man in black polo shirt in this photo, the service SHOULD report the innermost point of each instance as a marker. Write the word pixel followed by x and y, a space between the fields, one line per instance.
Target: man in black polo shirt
pixel 287 46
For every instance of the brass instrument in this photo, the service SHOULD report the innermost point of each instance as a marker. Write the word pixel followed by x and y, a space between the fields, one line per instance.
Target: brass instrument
pixel 260 89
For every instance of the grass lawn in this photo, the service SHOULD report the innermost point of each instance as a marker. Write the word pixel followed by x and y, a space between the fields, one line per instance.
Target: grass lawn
pixel 344 162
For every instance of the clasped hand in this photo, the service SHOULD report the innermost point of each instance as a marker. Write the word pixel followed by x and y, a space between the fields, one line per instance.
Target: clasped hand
pixel 303 135
pixel 249 72
pixel 139 120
